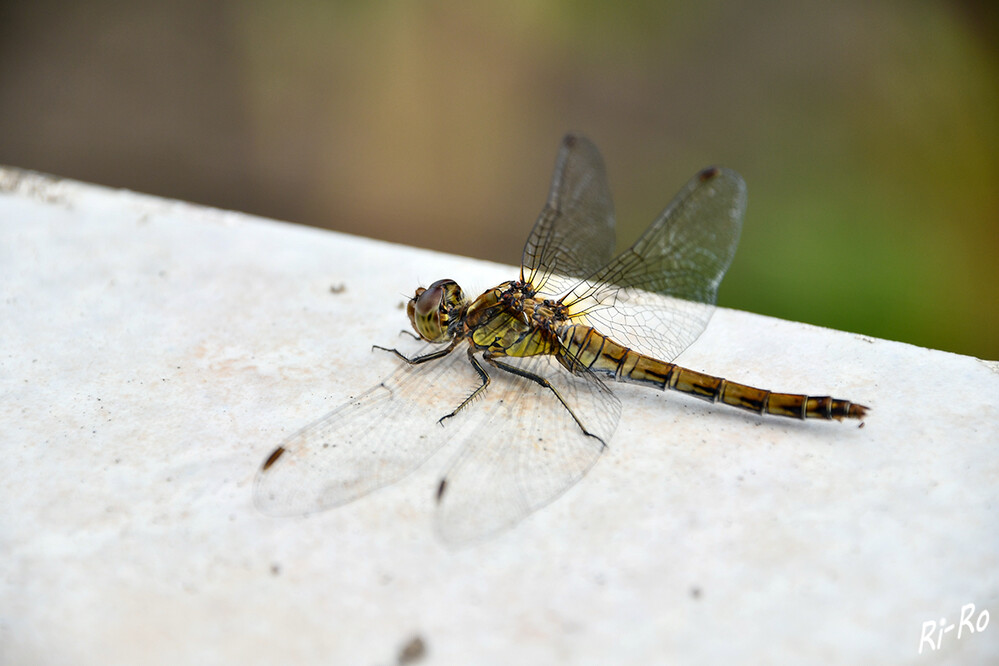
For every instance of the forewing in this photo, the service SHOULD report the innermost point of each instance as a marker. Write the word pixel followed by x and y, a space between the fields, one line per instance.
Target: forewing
pixel 657 296
pixel 370 441
pixel 529 451
pixel 574 235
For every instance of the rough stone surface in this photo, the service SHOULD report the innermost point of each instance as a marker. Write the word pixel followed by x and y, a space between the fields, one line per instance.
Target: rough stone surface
pixel 153 352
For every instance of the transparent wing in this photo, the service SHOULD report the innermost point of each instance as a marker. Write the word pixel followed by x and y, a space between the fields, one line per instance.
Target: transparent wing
pixel 657 296
pixel 574 235
pixel 528 452
pixel 370 441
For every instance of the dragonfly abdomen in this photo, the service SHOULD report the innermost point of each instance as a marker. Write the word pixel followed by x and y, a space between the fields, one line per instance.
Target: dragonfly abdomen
pixel 601 354
pixel 761 401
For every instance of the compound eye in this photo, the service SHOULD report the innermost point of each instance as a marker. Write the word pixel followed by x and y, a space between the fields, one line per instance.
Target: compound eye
pixel 425 313
pixel 430 310
pixel 428 301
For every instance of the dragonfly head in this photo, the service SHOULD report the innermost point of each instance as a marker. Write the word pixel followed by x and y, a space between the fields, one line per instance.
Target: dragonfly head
pixel 434 311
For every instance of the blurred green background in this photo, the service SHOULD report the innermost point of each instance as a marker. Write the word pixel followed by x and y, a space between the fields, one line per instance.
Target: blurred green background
pixel 868 131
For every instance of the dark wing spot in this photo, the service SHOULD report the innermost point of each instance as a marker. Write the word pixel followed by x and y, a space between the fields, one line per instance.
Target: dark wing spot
pixel 708 174
pixel 272 458
pixel 412 651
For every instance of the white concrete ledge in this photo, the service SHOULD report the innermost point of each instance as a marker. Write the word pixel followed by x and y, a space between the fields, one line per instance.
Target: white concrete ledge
pixel 152 352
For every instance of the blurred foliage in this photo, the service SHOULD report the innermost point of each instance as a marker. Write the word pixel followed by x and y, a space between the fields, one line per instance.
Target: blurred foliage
pixel 868 132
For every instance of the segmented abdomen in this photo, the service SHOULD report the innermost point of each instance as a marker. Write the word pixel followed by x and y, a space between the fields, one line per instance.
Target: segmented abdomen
pixel 586 347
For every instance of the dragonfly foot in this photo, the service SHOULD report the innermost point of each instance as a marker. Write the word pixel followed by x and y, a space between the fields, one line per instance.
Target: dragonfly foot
pixel 393 351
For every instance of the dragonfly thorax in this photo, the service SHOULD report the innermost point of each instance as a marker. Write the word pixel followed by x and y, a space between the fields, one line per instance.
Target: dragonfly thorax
pixel 435 312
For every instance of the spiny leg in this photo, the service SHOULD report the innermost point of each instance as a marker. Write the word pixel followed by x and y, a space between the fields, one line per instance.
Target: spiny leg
pixel 541 381
pixel 483 375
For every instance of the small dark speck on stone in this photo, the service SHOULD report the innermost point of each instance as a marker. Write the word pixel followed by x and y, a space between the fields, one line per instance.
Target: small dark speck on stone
pixel 695 592
pixel 275 569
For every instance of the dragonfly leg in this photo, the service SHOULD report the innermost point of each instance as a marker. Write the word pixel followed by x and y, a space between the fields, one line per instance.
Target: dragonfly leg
pixel 483 375
pixel 440 353
pixel 541 381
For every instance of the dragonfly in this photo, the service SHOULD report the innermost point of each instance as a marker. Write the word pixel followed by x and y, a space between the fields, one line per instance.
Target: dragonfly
pixel 529 399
